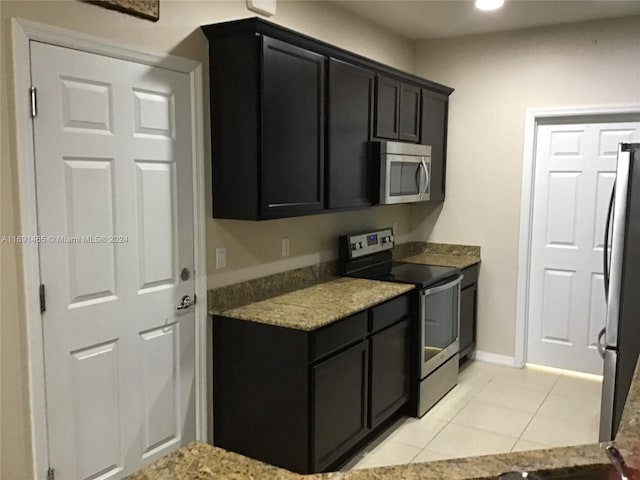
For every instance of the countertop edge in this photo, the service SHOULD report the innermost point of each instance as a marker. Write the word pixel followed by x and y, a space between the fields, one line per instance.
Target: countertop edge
pixel 399 289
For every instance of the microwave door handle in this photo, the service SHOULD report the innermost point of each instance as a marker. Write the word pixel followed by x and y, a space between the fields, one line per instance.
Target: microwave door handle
pixel 418 178
pixel 426 176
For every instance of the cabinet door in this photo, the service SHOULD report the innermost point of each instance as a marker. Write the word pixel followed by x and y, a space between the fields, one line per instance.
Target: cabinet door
pixel 409 113
pixel 389 372
pixel 339 396
pixel 350 164
pixel 468 302
pixel 387 107
pixel 434 133
pixel 292 130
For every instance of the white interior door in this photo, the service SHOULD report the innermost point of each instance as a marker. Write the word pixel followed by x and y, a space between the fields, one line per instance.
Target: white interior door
pixel 574 173
pixel 115 209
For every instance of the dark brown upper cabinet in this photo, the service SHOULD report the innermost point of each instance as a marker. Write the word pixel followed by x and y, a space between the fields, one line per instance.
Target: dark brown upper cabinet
pixel 409 113
pixel 387 107
pixel 350 166
pixel 267 128
pixel 292 119
pixel 292 130
pixel 433 132
pixel 397 110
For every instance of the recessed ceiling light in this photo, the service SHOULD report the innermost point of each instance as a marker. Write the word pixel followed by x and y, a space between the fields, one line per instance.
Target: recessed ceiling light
pixel 489 4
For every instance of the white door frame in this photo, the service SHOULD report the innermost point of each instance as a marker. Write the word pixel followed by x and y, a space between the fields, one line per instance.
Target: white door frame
pixel 533 118
pixel 24 31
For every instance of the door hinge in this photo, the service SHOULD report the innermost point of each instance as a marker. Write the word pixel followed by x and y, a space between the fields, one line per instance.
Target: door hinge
pixel 43 303
pixel 51 474
pixel 33 94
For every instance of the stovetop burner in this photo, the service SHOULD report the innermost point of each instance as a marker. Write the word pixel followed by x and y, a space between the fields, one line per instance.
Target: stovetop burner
pixel 420 275
pixel 369 255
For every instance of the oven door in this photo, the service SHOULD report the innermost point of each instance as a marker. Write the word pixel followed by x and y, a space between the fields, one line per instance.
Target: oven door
pixel 439 325
pixel 404 179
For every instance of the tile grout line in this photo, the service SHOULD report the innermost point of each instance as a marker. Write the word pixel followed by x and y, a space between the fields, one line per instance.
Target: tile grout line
pixel 424 448
pixel 536 412
pixel 449 422
pixel 489 379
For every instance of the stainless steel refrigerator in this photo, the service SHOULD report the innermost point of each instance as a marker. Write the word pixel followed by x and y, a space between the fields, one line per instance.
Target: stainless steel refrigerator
pixel 619 341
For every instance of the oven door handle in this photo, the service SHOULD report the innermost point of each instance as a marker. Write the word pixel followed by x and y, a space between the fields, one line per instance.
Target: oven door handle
pixel 440 288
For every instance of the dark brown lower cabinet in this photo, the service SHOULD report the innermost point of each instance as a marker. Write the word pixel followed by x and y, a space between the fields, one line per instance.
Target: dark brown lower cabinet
pixel 306 401
pixel 389 351
pixel 339 387
pixel 469 310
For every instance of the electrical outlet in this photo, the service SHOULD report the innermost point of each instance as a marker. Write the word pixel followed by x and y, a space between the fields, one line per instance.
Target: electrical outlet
pixel 221 257
pixel 285 247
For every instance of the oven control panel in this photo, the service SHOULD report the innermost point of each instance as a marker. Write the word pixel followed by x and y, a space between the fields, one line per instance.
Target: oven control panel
pixel 371 242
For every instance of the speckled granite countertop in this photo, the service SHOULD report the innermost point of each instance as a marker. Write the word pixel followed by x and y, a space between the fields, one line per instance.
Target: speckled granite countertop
pixel 316 306
pixel 202 461
pixel 446 255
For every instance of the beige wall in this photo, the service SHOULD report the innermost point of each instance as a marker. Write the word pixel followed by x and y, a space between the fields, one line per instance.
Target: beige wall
pixel 248 243
pixel 497 77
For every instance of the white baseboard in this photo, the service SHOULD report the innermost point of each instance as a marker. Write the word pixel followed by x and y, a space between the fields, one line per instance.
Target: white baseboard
pixel 495 358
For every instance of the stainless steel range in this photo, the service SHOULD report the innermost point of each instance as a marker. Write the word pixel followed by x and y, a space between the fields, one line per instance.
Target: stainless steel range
pixel 368 255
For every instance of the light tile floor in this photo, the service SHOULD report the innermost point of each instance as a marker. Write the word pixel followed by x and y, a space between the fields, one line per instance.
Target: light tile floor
pixel 494 409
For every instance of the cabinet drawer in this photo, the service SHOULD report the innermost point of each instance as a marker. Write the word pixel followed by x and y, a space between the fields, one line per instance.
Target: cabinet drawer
pixel 337 335
pixel 390 312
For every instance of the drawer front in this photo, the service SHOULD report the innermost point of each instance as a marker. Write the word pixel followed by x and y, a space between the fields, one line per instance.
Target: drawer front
pixel 390 312
pixel 337 335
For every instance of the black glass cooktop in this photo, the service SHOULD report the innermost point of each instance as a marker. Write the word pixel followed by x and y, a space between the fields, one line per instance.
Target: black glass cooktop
pixel 420 275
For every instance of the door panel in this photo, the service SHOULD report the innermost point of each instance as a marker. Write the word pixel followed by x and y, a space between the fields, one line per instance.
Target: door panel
pixel 409 115
pixel 559 287
pixel 350 169
pixel 561 219
pixel 96 389
pixel 293 130
pixel 339 390
pixel 156 188
pixel 389 370
pixel 387 124
pixel 86 105
pixel 160 376
pixel 433 132
pixel 114 191
pixel 90 208
pixel 574 174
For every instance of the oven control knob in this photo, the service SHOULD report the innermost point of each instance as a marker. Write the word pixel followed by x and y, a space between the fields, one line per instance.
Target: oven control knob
pixel 355 246
pixel 361 245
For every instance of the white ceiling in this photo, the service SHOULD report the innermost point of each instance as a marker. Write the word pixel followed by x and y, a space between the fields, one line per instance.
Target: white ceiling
pixel 422 19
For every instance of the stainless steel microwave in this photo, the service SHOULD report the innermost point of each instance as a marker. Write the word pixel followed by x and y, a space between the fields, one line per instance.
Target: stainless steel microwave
pixel 405 172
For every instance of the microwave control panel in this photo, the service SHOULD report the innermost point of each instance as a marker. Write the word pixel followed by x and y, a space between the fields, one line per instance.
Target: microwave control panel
pixel 367 243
